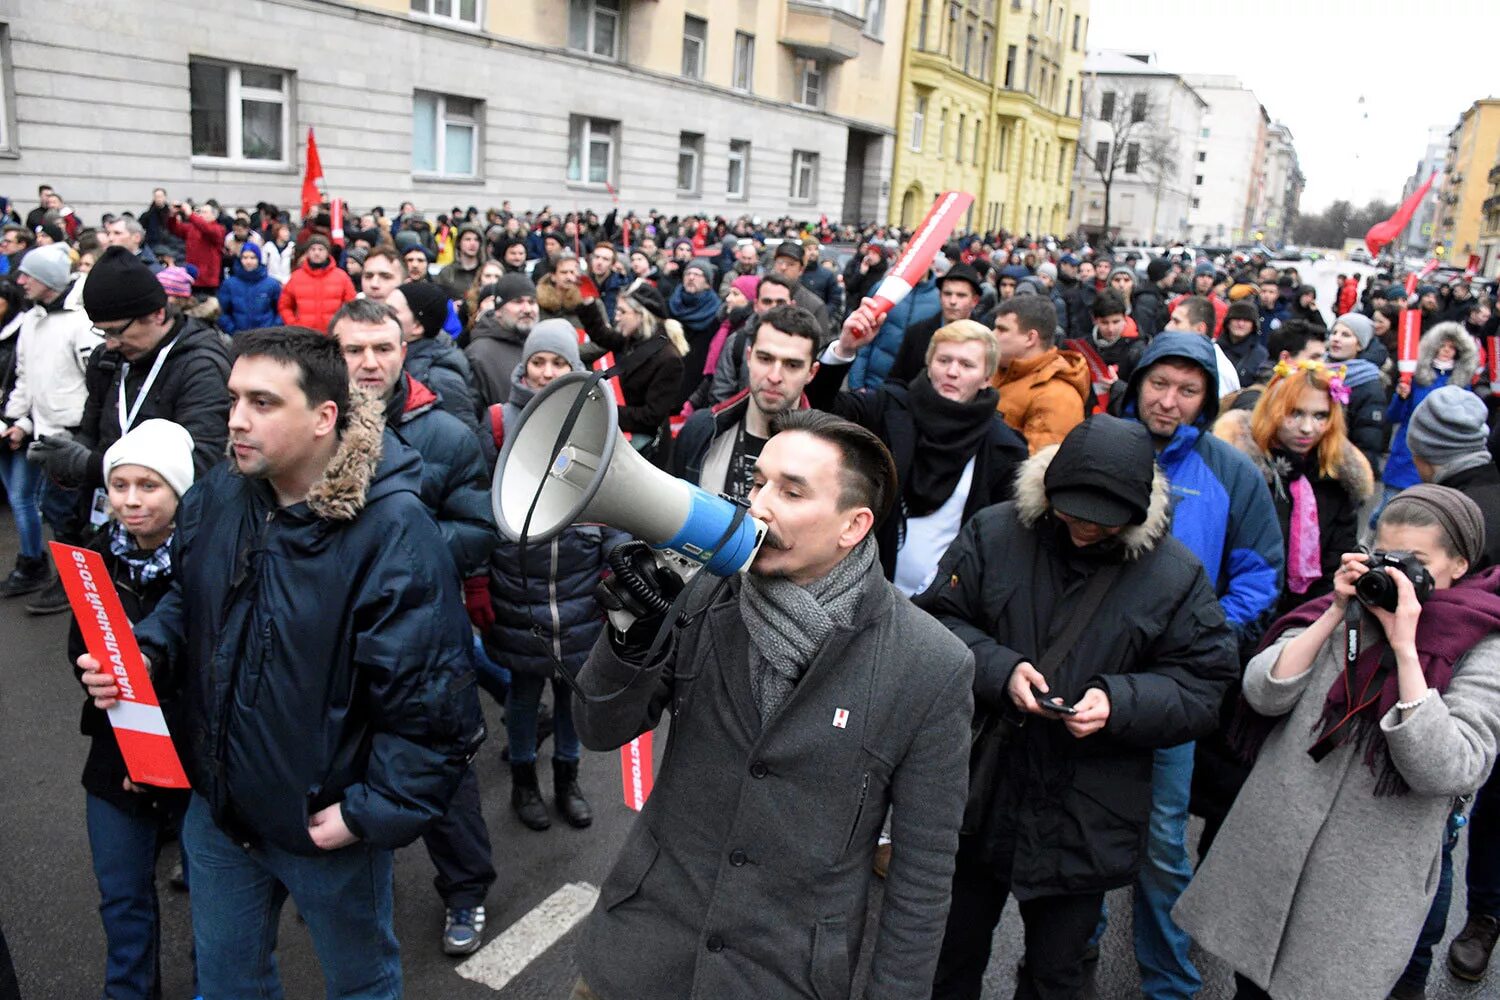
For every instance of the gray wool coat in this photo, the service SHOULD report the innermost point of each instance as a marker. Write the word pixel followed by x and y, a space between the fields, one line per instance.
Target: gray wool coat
pixel 746 875
pixel 1315 889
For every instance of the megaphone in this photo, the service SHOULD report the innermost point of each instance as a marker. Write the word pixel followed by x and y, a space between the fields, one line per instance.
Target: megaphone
pixel 567 463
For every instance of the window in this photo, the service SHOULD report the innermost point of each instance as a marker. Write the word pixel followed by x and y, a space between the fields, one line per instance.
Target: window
pixel 804 175
pixel 1101 155
pixel 689 162
pixel 1001 133
pixel 1198 180
pixel 444 135
pixel 958 146
pixel 239 113
pixel 809 83
pixel 978 136
pixel 1138 107
pixel 1068 111
pixel 594 27
pixel 591 149
pixel 1010 67
pixel 1030 55
pixel 1195 202
pixel 1202 157
pixel 1203 133
pixel 922 25
pixel 953 12
pixel 461 11
pixel 1077 30
pixel 738 184
pixel 1107 105
pixel 968 48
pixel 7 96
pixel 1133 158
pixel 744 61
pixel 875 18
pixel 918 122
pixel 1062 162
pixel 986 55
pixel 942 135
pixel 694 37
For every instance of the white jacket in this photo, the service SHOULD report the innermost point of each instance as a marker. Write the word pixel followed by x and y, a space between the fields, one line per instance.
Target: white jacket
pixel 51 358
pixel 278 263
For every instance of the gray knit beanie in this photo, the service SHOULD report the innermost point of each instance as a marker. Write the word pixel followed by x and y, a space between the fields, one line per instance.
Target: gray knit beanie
pixel 1448 425
pixel 556 336
pixel 1123 269
pixel 1460 518
pixel 1360 324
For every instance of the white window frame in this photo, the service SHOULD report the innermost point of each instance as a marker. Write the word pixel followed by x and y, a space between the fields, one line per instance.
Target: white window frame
pixel 592 10
pixel 693 70
pixel 475 123
pixel 739 153
pixel 234 124
pixel 583 132
pixel 744 62
pixel 810 80
pixel 428 10
pixel 690 149
pixel 918 122
pixel 875 19
pixel 9 147
pixel 804 168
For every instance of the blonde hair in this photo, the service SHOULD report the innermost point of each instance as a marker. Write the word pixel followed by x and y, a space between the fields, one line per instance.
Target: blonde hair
pixel 967 331
pixel 651 325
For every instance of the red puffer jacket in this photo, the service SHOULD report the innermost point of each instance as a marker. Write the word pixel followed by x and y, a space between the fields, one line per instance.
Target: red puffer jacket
pixel 312 296
pixel 204 243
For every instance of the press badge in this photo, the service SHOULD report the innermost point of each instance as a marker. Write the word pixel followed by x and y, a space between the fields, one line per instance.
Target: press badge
pixel 99 508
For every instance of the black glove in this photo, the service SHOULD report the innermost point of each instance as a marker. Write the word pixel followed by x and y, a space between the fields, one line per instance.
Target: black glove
pixel 61 457
pixel 637 596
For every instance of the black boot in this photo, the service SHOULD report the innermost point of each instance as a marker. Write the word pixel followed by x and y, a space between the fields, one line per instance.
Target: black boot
pixel 526 797
pixel 570 801
pixel 52 600
pixel 29 575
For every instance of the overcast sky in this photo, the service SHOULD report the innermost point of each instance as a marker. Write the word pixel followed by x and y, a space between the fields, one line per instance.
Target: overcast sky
pixel 1310 62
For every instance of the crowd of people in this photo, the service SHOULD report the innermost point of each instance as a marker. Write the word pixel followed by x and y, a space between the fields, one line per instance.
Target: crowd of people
pixel 1069 550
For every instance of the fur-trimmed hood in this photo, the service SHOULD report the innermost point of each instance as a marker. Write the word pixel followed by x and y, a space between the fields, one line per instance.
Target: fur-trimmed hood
pixel 555 298
pixel 1465 362
pixel 1353 473
pixel 1138 539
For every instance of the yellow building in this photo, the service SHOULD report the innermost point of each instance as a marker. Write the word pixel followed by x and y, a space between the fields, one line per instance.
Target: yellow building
pixel 1466 179
pixel 990 103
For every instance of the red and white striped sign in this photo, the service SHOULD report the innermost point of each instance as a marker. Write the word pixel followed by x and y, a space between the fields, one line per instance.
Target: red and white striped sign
pixel 635 770
pixel 140 728
pixel 1493 343
pixel 934 231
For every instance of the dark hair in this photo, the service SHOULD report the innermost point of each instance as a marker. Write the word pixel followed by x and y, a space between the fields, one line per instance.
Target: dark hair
pixel 867 472
pixel 322 374
pixel 779 282
pixel 1032 312
pixel 794 321
pixel 14 299
pixel 1200 310
pixel 1292 337
pixel 385 250
pixel 364 312
pixel 1108 303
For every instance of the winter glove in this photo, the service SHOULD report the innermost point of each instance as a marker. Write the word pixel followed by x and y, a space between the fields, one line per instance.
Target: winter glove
pixel 61 457
pixel 637 597
pixel 477 603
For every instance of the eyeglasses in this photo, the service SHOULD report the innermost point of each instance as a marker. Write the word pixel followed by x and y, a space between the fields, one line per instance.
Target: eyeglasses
pixel 102 332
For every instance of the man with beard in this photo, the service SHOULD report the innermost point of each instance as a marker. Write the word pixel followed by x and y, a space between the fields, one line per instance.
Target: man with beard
pixel 499 334
pixel 468 258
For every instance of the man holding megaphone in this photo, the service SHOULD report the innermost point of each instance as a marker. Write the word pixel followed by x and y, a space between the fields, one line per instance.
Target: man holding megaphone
pixel 806 701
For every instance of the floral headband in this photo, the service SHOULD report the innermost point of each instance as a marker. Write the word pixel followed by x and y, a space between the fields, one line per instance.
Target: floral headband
pixel 1338 389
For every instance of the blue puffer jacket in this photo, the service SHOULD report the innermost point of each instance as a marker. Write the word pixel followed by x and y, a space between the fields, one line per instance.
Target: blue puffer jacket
pixel 1222 510
pixel 873 363
pixel 249 301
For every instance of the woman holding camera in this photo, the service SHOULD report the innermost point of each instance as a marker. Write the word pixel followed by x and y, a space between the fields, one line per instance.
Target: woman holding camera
pixel 1325 869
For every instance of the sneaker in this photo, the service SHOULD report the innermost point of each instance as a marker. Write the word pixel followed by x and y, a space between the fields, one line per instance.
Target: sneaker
pixel 29 576
pixel 463 931
pixel 1469 954
pixel 52 600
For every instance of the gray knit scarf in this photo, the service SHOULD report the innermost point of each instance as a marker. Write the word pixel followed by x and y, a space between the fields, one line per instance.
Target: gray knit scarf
pixel 788 623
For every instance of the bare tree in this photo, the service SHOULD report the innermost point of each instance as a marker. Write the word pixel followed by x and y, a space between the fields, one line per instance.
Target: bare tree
pixel 1140 143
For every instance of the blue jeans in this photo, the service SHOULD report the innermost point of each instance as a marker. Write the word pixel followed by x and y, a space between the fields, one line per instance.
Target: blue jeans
pixel 23 485
pixel 1161 947
pixel 60 509
pixel 520 719
pixel 125 846
pixel 493 678
pixel 1436 924
pixel 343 895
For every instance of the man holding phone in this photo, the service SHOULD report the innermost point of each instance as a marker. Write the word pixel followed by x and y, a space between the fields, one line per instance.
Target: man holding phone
pixel 1097 638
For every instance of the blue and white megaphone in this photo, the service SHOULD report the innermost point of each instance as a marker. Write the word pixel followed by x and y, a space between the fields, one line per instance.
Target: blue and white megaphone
pixel 598 478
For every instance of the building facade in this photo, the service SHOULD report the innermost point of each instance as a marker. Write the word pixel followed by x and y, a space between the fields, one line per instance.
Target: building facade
pixel 685 106
pixel 1148 202
pixel 1419 232
pixel 990 100
pixel 1281 194
pixel 1472 146
pixel 1489 224
pixel 1229 175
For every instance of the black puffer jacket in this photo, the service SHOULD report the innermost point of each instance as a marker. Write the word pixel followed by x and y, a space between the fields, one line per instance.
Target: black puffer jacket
pixel 493 354
pixel 324 654
pixel 1080 300
pixel 1071 815
pixel 442 367
pixel 1148 307
pixel 191 389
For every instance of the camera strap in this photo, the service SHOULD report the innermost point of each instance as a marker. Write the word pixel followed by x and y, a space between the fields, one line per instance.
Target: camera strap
pixel 1336 736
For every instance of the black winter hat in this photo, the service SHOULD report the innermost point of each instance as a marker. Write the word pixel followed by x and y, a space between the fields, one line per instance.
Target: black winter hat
pixel 1243 309
pixel 1158 268
pixel 1103 472
pixel 428 303
pixel 649 299
pixel 962 272
pixel 121 287
pixel 512 286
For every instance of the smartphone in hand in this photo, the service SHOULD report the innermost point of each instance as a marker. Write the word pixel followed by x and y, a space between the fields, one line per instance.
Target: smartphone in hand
pixel 1043 701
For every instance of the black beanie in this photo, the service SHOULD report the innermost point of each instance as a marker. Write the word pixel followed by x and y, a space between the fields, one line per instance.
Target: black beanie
pixel 428 303
pixel 1158 268
pixel 120 287
pixel 649 299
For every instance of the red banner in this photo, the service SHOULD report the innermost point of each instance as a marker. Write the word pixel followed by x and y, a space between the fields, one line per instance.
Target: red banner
pixel 312 177
pixel 635 771
pixel 1408 339
pixel 1384 232
pixel 140 728
pixel 930 236
pixel 1494 363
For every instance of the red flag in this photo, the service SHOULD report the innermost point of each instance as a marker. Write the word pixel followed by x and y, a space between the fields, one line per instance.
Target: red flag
pixel 312 177
pixel 1383 232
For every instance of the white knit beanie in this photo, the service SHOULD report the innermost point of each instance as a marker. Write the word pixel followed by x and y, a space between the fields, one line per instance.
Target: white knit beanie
pixel 159 445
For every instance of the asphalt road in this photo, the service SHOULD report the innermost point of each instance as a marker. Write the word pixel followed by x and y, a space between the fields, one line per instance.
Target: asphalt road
pixel 48 897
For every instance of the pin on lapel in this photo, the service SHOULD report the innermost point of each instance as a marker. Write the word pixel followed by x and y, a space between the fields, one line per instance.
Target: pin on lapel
pixel 841 718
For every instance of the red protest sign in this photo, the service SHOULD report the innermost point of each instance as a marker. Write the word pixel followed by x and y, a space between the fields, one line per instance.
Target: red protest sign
pixel 140 728
pixel 1408 340
pixel 635 771
pixel 1494 363
pixel 930 236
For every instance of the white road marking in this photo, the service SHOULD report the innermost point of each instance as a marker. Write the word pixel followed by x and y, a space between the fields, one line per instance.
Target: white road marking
pixel 520 944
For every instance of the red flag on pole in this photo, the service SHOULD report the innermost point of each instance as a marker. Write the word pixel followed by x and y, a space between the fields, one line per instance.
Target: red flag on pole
pixel 312 177
pixel 1383 232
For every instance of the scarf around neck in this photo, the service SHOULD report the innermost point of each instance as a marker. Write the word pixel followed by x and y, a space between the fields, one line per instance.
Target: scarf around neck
pixel 696 311
pixel 143 566
pixel 949 434
pixel 788 623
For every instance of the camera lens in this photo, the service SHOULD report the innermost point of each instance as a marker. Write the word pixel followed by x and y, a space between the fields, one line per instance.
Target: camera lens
pixel 1376 590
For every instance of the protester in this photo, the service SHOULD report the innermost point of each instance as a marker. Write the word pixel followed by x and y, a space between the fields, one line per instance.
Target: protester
pixel 1445 356
pixel 1241 342
pixel 648 349
pixel 468 258
pixel 498 335
pixel 249 297
pixel 422 308
pixel 1364 412
pixel 1293 341
pixel 1042 387
pixel 731 369
pixel 1064 818
pixel 1446 436
pixel 757 770
pixel 959 292
pixel 21 478
pixel 694 305
pixel 316 289
pixel 382 274
pixel 1341 776
pixel 203 238
pixel 374 717
pixel 1112 348
pixel 1195 314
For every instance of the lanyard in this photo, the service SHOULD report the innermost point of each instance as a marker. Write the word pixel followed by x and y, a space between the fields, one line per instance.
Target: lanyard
pixel 126 420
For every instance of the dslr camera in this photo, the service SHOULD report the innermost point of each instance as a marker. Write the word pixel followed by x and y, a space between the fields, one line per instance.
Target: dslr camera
pixel 1376 589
